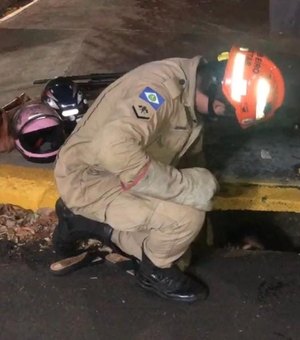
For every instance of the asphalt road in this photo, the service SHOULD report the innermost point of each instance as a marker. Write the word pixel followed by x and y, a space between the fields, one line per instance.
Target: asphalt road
pixel 252 296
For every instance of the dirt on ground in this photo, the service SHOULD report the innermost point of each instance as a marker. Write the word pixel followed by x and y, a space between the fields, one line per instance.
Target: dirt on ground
pixel 23 228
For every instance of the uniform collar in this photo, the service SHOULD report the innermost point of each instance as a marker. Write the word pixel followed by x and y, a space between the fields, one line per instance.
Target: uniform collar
pixel 189 67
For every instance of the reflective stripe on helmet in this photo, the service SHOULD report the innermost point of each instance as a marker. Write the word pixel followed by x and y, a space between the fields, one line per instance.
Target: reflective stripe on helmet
pixel 68 113
pixel 238 83
pixel 262 94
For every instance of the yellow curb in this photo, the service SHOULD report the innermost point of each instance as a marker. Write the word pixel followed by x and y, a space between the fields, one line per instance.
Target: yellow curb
pixel 30 188
pixel 258 197
pixel 35 188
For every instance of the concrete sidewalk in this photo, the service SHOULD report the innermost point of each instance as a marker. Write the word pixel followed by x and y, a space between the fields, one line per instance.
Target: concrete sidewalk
pixel 55 37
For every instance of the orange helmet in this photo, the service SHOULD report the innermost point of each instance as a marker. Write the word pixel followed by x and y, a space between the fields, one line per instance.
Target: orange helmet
pixel 253 85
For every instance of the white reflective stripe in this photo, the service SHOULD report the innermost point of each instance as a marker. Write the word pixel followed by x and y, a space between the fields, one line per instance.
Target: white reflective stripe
pixel 68 113
pixel 37 115
pixel 262 93
pixel 238 83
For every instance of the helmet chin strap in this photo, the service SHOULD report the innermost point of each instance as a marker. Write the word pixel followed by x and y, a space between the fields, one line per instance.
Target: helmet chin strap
pixel 213 94
pixel 212 91
pixel 210 77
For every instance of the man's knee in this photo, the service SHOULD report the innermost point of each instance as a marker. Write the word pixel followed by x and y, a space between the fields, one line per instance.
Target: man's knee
pixel 191 221
pixel 196 221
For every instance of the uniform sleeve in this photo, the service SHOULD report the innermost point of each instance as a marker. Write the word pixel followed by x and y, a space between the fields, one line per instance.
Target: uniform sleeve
pixel 122 143
pixel 135 123
pixel 194 157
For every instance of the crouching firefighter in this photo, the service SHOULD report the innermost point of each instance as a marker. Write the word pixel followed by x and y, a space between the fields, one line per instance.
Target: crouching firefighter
pixel 118 175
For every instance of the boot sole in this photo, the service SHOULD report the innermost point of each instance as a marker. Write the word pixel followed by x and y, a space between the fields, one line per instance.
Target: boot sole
pixel 74 263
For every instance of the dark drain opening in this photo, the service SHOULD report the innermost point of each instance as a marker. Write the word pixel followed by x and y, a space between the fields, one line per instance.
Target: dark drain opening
pixel 256 230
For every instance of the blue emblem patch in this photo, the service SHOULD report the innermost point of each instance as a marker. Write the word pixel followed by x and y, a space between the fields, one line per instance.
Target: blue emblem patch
pixel 152 97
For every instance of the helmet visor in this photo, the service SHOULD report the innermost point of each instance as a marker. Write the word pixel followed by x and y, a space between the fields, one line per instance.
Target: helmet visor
pixel 41 142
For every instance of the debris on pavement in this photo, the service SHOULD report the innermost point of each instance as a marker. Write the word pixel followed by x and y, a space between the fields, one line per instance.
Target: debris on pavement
pixel 25 233
pixel 265 154
pixel 22 227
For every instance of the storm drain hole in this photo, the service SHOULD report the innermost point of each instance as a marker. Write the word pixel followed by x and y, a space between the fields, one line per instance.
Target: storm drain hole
pixel 256 230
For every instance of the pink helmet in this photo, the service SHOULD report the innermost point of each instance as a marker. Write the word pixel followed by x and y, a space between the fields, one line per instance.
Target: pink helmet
pixel 38 132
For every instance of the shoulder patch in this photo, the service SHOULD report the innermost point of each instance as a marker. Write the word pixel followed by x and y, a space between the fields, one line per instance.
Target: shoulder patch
pixel 141 111
pixel 152 97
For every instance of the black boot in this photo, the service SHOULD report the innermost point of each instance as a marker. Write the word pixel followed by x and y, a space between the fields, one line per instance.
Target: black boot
pixel 72 229
pixel 170 283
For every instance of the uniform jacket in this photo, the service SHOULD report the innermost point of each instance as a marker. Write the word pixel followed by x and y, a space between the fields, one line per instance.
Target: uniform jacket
pixel 131 139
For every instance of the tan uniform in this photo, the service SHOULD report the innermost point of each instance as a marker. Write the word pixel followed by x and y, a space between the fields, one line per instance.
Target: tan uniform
pixel 118 166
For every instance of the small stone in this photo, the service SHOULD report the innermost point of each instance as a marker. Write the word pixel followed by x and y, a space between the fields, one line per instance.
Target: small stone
pixel 265 154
